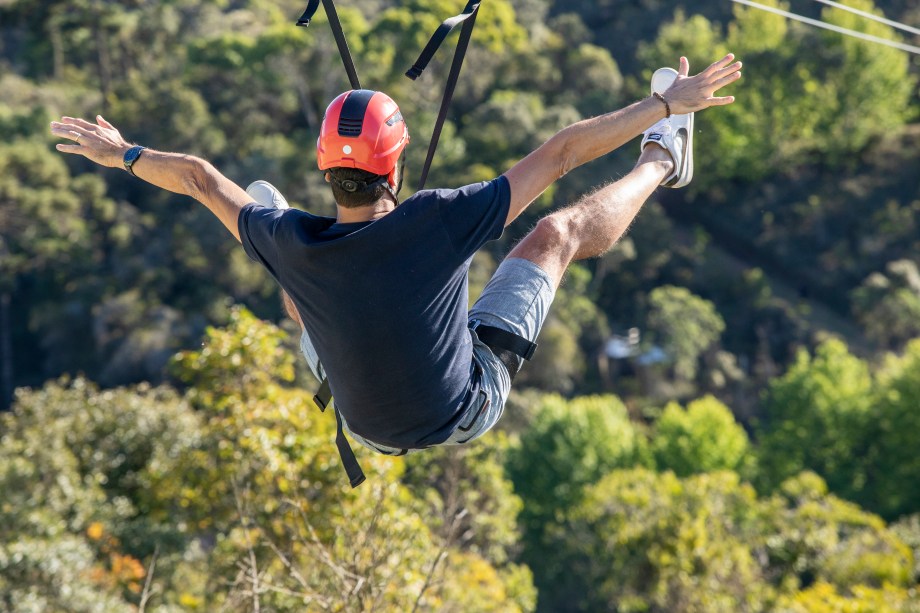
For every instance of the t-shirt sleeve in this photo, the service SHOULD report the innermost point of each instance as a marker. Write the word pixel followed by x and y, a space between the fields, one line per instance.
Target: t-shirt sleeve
pixel 476 214
pixel 259 232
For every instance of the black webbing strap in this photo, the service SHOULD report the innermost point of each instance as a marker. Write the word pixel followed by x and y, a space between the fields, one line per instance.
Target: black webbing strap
pixel 337 32
pixel 468 19
pixel 323 395
pixel 497 338
pixel 438 38
pixel 355 475
pixel 349 461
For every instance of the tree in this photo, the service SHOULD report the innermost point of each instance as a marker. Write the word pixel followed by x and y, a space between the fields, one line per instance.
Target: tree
pixel 236 491
pixel 891 461
pixel 569 446
pixel 642 541
pixel 80 507
pixel 888 305
pixel 685 325
pixel 813 536
pixel 826 598
pixel 776 126
pixel 42 234
pixel 703 438
pixel 817 417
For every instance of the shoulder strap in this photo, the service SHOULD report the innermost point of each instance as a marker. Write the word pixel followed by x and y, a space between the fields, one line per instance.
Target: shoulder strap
pixel 337 32
pixel 468 19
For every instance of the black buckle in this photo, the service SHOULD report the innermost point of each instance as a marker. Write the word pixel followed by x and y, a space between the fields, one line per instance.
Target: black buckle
pixel 308 13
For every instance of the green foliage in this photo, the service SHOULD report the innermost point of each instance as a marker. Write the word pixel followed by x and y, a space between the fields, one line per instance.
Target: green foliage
pixel 817 536
pixel 80 508
pixel 473 507
pixel 777 125
pixel 648 542
pixel 685 325
pixel 817 419
pixel 569 446
pixel 703 438
pixel 888 306
pixel 825 598
pixel 642 541
pixel 234 484
pixel 893 463
pixel 237 492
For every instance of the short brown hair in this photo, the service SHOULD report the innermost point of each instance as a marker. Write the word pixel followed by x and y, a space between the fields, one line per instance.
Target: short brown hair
pixel 373 188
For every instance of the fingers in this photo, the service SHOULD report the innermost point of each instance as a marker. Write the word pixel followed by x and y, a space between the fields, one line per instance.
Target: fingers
pixel 69 148
pixel 730 78
pixel 102 122
pixel 684 68
pixel 68 130
pixel 721 101
pixel 719 64
pixel 76 121
pixel 727 70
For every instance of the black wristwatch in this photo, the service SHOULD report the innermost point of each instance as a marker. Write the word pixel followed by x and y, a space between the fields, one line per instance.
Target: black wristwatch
pixel 132 155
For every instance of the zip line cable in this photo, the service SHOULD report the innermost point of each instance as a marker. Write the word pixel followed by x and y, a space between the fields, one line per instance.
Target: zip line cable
pixel 888 22
pixel 820 24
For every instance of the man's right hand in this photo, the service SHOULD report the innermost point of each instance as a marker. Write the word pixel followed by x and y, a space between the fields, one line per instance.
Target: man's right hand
pixel 690 94
pixel 100 142
pixel 181 174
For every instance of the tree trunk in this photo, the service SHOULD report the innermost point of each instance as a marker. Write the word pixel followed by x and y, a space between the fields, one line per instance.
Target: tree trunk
pixel 6 352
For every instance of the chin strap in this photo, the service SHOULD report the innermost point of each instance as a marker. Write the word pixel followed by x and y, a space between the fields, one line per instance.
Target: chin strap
pixel 353 186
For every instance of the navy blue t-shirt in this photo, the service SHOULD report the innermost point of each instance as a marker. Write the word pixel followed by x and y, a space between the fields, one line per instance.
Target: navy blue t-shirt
pixel 385 303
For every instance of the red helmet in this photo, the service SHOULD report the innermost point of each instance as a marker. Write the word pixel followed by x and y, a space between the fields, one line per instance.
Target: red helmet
pixel 363 129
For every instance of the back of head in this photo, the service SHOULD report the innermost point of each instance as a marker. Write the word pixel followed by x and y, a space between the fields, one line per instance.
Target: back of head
pixel 361 143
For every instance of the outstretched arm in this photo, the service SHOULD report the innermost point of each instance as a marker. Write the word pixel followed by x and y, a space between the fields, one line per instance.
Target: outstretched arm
pixel 182 174
pixel 589 139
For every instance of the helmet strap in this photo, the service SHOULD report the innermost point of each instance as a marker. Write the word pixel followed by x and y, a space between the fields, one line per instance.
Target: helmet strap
pixel 401 165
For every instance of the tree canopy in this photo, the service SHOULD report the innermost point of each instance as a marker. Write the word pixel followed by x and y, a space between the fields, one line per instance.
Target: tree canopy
pixel 722 414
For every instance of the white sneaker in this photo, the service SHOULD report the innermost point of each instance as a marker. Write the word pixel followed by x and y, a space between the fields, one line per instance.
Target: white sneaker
pixel 266 194
pixel 675 134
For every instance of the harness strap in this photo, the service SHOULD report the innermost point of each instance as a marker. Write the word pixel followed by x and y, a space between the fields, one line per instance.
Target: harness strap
pixel 349 461
pixel 337 32
pixel 468 19
pixel 438 38
pixel 497 338
pixel 322 398
pixel 323 395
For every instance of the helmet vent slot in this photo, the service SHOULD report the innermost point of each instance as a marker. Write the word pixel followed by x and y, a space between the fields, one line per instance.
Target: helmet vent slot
pixel 351 119
pixel 350 127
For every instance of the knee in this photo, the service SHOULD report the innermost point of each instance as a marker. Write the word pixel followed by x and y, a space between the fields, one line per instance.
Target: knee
pixel 549 245
pixel 552 231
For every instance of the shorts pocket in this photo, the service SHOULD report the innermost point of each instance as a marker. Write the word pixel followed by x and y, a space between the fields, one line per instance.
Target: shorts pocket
pixel 471 421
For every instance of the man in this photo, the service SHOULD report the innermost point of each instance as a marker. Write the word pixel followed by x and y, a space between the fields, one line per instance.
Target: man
pixel 381 290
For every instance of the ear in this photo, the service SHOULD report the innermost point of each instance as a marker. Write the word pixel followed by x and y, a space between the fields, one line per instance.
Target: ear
pixel 393 177
pixel 327 177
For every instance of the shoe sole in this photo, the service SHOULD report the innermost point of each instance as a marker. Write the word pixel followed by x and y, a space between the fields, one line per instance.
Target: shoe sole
pixel 662 79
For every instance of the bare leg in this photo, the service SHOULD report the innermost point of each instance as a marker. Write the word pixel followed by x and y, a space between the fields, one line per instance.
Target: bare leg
pixel 594 224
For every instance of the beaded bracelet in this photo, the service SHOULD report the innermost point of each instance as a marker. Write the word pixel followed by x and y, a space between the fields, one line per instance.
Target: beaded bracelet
pixel 667 107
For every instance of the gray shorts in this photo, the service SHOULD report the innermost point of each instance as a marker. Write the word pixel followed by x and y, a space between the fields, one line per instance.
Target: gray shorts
pixel 517 299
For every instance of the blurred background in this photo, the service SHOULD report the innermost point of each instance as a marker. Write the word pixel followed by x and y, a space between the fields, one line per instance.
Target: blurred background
pixel 724 413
